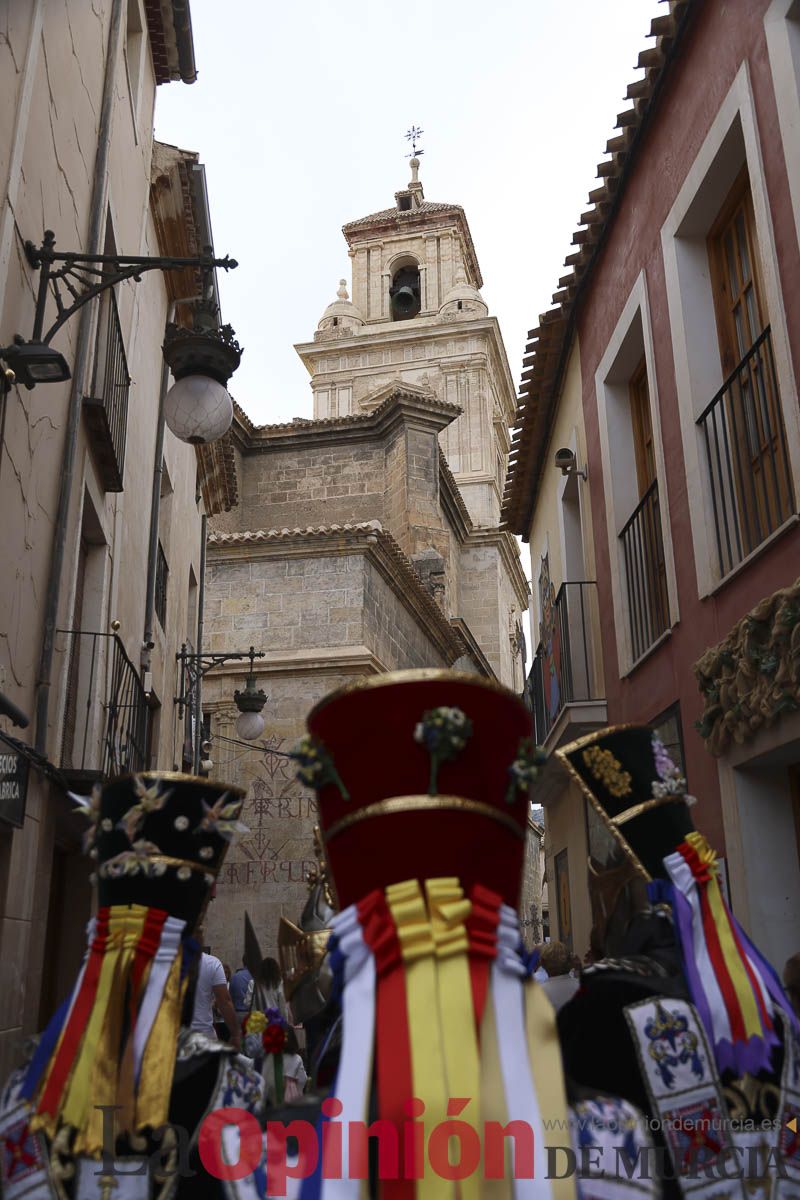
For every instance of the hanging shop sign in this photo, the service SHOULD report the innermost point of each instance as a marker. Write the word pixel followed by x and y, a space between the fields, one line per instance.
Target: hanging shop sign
pixel 13 785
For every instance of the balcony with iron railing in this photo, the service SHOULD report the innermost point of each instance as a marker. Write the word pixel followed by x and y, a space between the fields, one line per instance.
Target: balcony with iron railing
pixel 565 687
pixel 645 573
pixel 106 715
pixel 106 409
pixel 747 459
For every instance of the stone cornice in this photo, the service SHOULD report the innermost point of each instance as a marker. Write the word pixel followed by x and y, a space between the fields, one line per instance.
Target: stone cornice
pixel 401 405
pixel 401 332
pixel 368 538
pixel 509 551
pixel 480 658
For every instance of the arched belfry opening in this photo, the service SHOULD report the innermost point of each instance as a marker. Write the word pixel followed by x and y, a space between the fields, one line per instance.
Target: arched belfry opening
pixel 404 292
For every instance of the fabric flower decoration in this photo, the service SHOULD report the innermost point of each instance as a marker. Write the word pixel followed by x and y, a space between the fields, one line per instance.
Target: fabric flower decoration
pixel 670 782
pixel 220 818
pixel 273 1039
pixel 264 1033
pixel 444 732
pixel 132 862
pixel 525 768
pixel 316 768
pixel 88 807
pixel 149 799
pixel 254 1022
pixel 271 1045
pixel 606 769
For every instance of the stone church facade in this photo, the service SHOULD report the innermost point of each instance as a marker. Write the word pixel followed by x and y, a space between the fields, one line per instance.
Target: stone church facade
pixel 366 539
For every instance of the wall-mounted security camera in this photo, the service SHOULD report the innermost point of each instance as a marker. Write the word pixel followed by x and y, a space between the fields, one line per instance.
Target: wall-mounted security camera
pixel 567 464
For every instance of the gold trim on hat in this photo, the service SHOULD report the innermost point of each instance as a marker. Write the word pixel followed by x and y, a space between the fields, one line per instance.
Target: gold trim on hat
pixel 402 804
pixel 168 860
pixel 179 777
pixel 589 739
pixel 367 682
pixel 645 806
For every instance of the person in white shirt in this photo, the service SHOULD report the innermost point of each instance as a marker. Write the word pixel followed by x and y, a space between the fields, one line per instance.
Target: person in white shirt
pixel 212 988
pixel 294 1071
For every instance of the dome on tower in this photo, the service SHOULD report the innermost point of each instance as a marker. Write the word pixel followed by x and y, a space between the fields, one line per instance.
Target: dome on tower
pixel 341 313
pixel 463 299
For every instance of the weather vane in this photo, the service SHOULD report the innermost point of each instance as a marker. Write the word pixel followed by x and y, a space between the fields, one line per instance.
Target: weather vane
pixel 412 136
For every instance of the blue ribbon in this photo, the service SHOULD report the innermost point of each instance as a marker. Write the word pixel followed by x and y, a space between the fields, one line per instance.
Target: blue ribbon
pixel 45 1049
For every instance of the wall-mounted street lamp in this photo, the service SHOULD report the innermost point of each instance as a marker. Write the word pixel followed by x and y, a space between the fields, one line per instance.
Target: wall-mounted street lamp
pixel 250 724
pixel 198 408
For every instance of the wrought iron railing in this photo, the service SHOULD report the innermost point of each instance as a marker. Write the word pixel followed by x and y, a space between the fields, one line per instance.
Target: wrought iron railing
pixel 162 574
pixel 107 407
pixel 746 456
pixel 106 714
pixel 645 574
pixel 563 670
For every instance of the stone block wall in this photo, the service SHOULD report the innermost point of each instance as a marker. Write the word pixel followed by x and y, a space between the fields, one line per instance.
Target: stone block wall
pixel 324 613
pixel 316 485
pixel 288 604
pixel 389 630
pixel 530 897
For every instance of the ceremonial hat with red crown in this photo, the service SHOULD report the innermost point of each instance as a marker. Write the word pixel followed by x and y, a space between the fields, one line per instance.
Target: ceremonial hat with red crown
pixel 629 778
pixel 158 841
pixel 418 774
pixel 424 782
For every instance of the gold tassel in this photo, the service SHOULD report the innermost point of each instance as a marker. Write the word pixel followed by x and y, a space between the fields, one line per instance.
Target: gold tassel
pixel 449 910
pixel 158 1064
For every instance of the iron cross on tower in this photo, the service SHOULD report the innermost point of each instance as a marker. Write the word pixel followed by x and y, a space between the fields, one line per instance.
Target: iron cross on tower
pixel 413 136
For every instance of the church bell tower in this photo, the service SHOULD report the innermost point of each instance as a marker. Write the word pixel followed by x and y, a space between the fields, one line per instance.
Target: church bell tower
pixel 417 321
pixel 417 316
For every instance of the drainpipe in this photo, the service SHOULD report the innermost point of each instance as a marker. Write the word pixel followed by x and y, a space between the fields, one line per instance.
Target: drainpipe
pixel 155 510
pixel 97 216
pixel 201 599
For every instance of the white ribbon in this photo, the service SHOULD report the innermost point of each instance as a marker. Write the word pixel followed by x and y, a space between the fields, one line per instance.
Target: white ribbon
pixel 168 948
pixel 681 875
pixel 522 1104
pixel 91 926
pixel 358 1036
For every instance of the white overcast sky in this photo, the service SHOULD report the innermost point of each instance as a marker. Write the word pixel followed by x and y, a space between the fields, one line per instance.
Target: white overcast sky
pixel 299 115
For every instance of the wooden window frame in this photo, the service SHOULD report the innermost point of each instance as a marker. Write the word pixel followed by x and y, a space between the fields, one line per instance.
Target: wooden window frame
pixel 643 441
pixel 740 191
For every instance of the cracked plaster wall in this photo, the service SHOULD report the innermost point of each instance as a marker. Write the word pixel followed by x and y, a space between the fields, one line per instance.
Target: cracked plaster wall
pixel 52 64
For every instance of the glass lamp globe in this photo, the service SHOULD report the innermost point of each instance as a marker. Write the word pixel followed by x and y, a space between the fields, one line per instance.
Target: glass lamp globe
pixel 249 726
pixel 198 409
